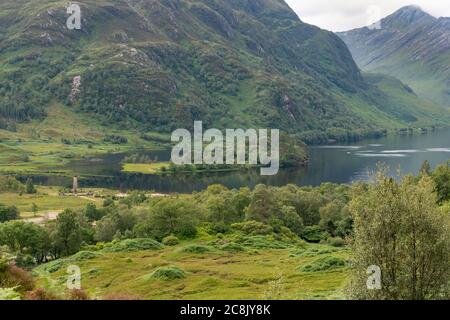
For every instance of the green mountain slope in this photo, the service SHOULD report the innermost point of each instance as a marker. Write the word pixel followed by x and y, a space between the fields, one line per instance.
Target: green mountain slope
pixel 160 65
pixel 410 45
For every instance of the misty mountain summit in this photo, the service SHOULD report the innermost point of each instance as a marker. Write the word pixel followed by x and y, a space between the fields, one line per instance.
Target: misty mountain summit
pixel 411 45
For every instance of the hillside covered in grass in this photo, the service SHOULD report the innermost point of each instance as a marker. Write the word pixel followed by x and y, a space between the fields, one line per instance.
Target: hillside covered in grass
pixel 159 65
pixel 217 269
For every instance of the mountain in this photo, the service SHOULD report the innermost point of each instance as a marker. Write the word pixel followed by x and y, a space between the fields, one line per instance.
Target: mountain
pixel 410 45
pixel 157 65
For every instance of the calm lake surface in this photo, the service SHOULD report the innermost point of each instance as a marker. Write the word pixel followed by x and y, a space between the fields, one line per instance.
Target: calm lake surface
pixel 343 163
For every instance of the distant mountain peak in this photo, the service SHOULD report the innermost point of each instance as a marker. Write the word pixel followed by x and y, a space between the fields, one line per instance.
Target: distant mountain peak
pixel 406 17
pixel 409 44
pixel 410 9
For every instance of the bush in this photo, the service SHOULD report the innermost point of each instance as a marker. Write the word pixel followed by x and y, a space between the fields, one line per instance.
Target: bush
pixel 8 213
pixel 29 187
pixel 130 245
pixel 166 274
pixel 323 264
pixel 252 228
pixel 77 294
pixel 115 139
pixel 195 249
pixel 12 276
pixel 262 242
pixel 41 294
pixel 83 255
pixel 170 241
pixel 217 227
pixel 232 247
pixel 313 234
pixel 56 265
pixel 10 184
pixel 24 260
pixel 9 294
pixel 336 242
pixel 313 252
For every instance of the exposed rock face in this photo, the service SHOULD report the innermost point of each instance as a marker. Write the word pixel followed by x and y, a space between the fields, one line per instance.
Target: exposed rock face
pixel 76 83
pixel 411 45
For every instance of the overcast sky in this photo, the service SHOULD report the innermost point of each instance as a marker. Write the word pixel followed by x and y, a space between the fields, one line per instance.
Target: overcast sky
pixel 342 15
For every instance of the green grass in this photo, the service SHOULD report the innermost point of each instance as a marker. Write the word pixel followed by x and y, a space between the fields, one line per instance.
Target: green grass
pixel 47 200
pixel 150 168
pixel 171 273
pixel 40 142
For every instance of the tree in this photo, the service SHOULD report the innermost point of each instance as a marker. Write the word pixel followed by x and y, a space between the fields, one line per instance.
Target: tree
pixel 330 217
pixel 29 187
pixel 29 238
pixel 441 177
pixel 292 220
pixel 224 207
pixel 92 213
pixel 67 234
pixel 8 213
pixel 170 216
pixel 399 228
pixel 425 169
pixel 263 205
pixel 117 222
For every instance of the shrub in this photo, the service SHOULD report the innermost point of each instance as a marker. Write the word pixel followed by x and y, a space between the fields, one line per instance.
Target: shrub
pixel 252 228
pixel 12 276
pixel 77 294
pixel 336 242
pixel 170 241
pixel 41 294
pixel 195 249
pixel 83 255
pixel 218 227
pixel 8 213
pixel 24 260
pixel 115 139
pixel 313 252
pixel 232 247
pixel 10 184
pixel 323 264
pixel 130 245
pixel 262 242
pixel 166 274
pixel 313 234
pixel 56 265
pixel 9 294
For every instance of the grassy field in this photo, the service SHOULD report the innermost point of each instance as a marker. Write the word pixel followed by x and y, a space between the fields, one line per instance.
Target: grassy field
pixel 47 200
pixel 44 146
pixel 146 168
pixel 215 274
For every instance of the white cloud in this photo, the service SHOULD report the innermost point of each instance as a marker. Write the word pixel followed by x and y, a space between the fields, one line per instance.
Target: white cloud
pixel 342 15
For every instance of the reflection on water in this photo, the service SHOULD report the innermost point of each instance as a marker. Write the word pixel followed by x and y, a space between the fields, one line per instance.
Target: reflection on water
pixel 338 163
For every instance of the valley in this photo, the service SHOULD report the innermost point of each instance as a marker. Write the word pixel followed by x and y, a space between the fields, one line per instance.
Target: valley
pixel 92 207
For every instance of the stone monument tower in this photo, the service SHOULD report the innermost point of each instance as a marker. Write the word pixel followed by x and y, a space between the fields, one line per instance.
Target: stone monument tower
pixel 75 185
